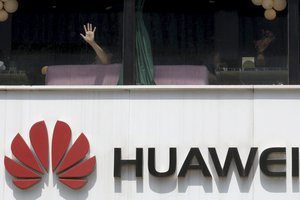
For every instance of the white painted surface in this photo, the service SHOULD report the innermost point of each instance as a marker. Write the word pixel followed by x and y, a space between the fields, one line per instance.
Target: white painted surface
pixel 160 117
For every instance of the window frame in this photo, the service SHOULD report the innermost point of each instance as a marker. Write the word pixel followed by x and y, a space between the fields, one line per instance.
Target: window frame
pixel 129 42
pixel 293 42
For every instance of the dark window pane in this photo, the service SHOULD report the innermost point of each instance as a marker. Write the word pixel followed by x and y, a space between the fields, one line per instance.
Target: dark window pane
pixel 47 33
pixel 232 39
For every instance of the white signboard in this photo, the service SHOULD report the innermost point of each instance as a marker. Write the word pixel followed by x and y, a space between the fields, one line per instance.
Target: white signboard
pixel 157 143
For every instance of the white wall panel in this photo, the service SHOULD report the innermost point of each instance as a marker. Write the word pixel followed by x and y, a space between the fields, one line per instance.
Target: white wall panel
pixel 142 118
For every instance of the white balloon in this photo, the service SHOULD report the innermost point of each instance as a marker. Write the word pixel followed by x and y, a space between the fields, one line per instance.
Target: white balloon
pixel 1 5
pixel 267 4
pixel 11 6
pixel 3 15
pixel 257 2
pixel 279 5
pixel 270 14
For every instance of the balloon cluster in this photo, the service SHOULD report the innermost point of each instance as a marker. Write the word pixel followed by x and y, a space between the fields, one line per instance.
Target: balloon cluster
pixel 271 7
pixel 6 7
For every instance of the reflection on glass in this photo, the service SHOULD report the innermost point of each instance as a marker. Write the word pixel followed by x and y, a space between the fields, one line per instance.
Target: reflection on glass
pixel 237 41
pixel 47 33
pixel 183 41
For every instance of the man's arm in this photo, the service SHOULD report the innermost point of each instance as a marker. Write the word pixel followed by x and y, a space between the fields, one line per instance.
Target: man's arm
pixel 89 37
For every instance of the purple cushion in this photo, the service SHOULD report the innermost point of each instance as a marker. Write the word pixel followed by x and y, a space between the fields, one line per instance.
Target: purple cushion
pixel 83 74
pixel 181 75
pixel 109 74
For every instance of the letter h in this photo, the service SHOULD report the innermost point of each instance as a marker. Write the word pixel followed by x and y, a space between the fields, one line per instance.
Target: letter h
pixel 138 162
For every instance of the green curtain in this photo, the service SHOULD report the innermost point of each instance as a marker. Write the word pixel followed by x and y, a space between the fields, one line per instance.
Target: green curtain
pixel 121 80
pixel 144 59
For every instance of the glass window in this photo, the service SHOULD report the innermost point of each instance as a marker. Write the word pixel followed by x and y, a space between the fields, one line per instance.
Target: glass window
pixel 175 42
pixel 47 33
pixel 234 40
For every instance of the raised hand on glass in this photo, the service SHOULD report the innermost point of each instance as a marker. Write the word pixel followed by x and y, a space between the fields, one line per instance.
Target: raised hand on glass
pixel 89 37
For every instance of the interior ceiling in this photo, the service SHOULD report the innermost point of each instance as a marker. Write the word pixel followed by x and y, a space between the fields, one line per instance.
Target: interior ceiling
pixel 67 5
pixel 150 5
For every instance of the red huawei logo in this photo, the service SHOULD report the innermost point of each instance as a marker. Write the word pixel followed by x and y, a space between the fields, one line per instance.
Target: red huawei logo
pixel 69 165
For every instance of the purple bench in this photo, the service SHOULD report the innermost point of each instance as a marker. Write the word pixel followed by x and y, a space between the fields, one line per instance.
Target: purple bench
pixel 109 74
pixel 181 75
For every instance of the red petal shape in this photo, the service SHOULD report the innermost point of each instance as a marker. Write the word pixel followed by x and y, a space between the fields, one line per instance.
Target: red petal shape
pixel 81 170
pixel 26 183
pixel 74 184
pixel 60 142
pixel 22 152
pixel 17 170
pixel 77 152
pixel 39 142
